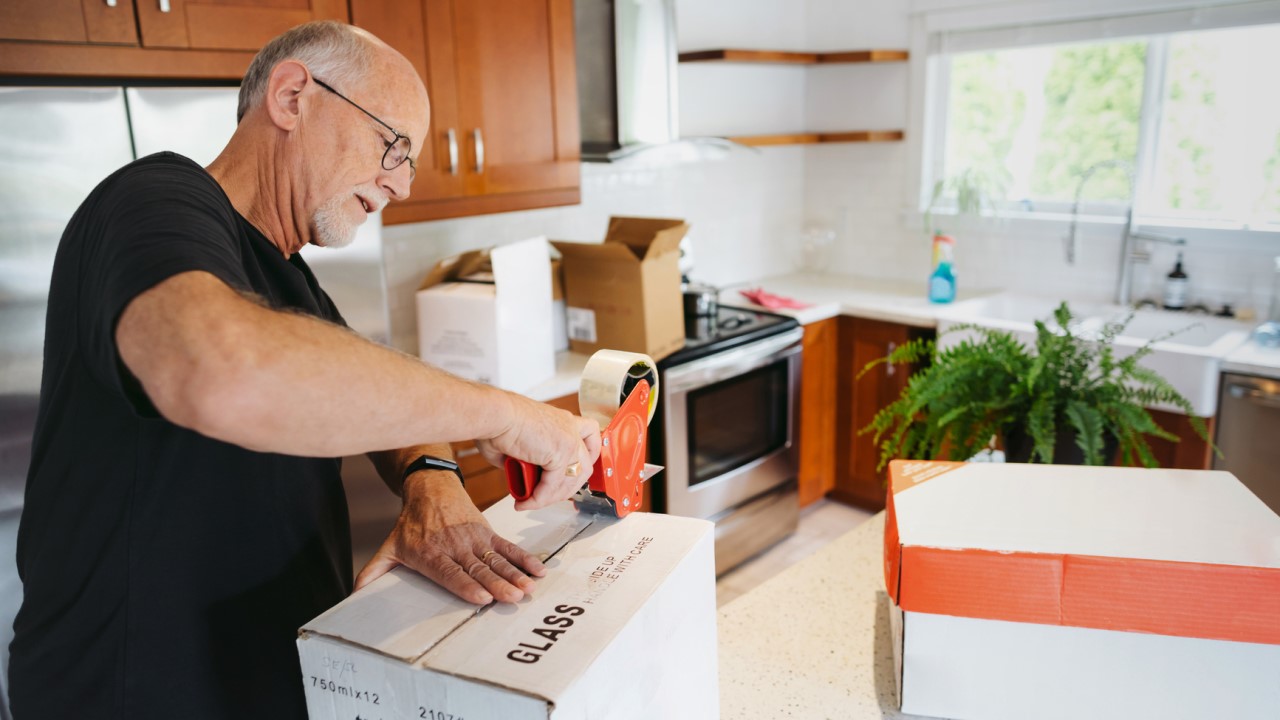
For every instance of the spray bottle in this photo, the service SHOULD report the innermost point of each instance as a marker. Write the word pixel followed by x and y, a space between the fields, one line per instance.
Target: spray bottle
pixel 942 281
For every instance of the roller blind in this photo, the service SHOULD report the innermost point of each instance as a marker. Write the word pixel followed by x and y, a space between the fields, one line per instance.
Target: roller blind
pixel 1122 24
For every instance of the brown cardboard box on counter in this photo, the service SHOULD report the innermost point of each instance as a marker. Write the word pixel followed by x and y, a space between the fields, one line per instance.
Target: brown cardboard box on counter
pixel 623 627
pixel 624 293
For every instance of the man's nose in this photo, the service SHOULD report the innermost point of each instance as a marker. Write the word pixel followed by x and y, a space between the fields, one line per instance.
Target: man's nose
pixel 396 181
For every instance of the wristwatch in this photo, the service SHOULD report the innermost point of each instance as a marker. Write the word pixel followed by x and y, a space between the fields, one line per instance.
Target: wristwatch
pixel 428 462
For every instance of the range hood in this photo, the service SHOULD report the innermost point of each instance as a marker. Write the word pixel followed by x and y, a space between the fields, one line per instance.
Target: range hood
pixel 627 82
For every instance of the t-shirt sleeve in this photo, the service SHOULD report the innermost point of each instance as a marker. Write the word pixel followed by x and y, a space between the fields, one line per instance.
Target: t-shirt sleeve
pixel 151 223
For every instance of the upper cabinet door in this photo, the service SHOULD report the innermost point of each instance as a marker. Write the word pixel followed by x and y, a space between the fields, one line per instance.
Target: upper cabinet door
pixel 517 94
pixel 504 104
pixel 76 21
pixel 227 24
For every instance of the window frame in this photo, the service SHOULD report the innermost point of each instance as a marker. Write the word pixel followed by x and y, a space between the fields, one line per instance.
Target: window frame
pixel 1044 216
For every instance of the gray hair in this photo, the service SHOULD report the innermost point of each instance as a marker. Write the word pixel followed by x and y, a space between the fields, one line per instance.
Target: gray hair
pixel 334 52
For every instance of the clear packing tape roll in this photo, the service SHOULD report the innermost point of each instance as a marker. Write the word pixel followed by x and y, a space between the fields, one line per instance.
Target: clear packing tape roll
pixel 609 377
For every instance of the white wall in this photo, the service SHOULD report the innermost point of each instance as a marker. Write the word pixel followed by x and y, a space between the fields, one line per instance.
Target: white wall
pixel 746 211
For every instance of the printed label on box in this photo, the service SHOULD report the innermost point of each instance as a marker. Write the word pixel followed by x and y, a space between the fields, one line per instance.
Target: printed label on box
pixel 582 324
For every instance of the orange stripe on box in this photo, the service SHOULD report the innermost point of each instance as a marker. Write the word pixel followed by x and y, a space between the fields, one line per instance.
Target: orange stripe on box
pixel 1219 602
pixel 1200 600
pixel 905 474
pixel 892 548
pixel 1021 587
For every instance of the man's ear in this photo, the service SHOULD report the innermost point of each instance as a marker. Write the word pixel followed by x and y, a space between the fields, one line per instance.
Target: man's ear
pixel 284 93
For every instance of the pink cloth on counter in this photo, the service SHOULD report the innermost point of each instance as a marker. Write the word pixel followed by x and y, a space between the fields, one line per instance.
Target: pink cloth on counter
pixel 771 301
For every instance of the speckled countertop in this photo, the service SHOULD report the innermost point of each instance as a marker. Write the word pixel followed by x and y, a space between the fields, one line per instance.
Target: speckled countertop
pixel 830 295
pixel 813 641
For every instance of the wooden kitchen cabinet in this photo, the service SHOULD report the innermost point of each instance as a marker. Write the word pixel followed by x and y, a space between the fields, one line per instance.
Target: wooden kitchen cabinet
pixel 504 105
pixel 860 341
pixel 173 39
pixel 817 423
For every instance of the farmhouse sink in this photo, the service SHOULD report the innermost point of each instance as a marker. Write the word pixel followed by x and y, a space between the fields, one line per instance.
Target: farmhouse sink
pixel 1188 351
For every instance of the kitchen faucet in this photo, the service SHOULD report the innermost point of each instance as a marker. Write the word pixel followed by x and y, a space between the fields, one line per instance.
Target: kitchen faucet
pixel 1129 253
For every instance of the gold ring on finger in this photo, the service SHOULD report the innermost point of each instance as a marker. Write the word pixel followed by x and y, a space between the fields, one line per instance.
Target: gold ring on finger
pixel 573 470
pixel 485 557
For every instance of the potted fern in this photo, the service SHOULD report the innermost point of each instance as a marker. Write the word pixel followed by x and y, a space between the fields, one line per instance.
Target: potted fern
pixel 1070 401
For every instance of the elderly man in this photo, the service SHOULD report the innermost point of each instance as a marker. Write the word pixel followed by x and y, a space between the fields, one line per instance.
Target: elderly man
pixel 184 512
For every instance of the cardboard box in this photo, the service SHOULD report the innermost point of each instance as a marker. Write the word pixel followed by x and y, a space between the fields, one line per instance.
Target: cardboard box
pixel 497 333
pixel 624 293
pixel 622 626
pixel 1045 591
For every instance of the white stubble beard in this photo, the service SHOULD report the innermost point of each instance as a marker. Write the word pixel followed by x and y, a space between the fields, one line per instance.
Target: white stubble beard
pixel 332 229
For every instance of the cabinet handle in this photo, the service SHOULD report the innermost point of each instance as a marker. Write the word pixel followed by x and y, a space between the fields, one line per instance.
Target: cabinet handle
pixel 453 151
pixel 111 3
pixel 164 6
pixel 479 141
pixel 889 369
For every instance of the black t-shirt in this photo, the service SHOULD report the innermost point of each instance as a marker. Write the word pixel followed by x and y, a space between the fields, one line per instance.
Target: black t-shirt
pixel 164 573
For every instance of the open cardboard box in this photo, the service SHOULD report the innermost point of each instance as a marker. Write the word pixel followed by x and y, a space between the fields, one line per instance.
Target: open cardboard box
pixel 624 294
pixel 1042 591
pixel 622 626
pixel 496 331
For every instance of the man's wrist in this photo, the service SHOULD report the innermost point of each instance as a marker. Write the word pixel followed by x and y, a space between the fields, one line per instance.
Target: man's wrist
pixel 430 462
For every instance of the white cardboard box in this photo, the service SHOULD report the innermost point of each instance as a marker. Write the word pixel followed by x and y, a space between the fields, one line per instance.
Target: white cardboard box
pixel 622 626
pixel 497 333
pixel 1041 591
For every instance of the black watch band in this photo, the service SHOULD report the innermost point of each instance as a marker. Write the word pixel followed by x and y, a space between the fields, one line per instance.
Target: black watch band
pixel 428 462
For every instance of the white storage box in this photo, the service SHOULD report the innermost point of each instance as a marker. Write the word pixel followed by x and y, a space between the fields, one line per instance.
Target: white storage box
pixel 499 333
pixel 1041 591
pixel 622 626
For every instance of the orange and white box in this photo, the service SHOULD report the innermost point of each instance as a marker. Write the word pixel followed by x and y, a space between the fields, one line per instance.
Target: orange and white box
pixel 1050 591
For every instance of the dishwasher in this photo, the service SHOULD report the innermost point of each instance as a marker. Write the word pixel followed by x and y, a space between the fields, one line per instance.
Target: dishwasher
pixel 1247 433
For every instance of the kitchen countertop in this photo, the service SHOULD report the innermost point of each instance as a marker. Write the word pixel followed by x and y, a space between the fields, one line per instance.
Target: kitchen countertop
pixel 1253 359
pixel 832 295
pixel 813 641
pixel 828 295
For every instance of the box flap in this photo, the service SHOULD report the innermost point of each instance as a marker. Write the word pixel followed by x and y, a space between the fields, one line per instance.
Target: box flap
pixel 598 252
pixel 454 267
pixel 403 614
pixel 646 237
pixel 1177 552
pixel 541 646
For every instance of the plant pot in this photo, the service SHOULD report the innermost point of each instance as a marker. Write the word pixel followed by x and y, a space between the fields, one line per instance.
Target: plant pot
pixel 1018 447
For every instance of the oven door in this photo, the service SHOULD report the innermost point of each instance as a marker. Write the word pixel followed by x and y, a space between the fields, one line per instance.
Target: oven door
pixel 729 423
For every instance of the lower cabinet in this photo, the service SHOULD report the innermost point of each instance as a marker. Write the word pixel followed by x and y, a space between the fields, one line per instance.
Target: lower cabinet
pixel 816 428
pixel 860 341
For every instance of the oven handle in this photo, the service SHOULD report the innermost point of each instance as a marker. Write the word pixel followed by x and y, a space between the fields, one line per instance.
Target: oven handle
pixel 731 363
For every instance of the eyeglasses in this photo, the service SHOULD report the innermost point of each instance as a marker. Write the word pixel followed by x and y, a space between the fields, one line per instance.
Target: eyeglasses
pixel 397 151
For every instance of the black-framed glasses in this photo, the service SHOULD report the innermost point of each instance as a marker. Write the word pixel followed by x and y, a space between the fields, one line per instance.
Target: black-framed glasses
pixel 397 151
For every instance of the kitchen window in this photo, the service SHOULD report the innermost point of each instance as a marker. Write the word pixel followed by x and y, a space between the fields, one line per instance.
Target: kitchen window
pixel 1188 113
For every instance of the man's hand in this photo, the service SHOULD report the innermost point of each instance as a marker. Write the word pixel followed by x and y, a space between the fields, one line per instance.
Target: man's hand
pixel 552 439
pixel 442 535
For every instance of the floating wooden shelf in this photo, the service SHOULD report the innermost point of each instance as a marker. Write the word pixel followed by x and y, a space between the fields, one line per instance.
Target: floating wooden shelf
pixel 795 58
pixel 814 138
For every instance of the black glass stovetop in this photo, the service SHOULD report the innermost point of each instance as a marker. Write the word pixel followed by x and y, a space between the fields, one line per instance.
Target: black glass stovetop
pixel 728 328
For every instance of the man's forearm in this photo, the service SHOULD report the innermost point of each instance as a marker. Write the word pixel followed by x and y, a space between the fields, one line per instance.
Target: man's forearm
pixel 290 383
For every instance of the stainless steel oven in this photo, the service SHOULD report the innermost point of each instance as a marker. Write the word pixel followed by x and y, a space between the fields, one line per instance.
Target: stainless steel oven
pixel 728 430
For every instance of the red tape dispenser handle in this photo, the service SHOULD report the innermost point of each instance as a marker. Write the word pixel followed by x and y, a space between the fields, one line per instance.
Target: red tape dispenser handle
pixel 522 478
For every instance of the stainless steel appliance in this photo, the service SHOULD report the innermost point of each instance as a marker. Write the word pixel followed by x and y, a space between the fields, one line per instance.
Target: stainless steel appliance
pixel 1247 428
pixel 726 430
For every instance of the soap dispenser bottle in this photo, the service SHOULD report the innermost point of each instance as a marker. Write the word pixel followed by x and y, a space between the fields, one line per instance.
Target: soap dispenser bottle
pixel 1176 287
